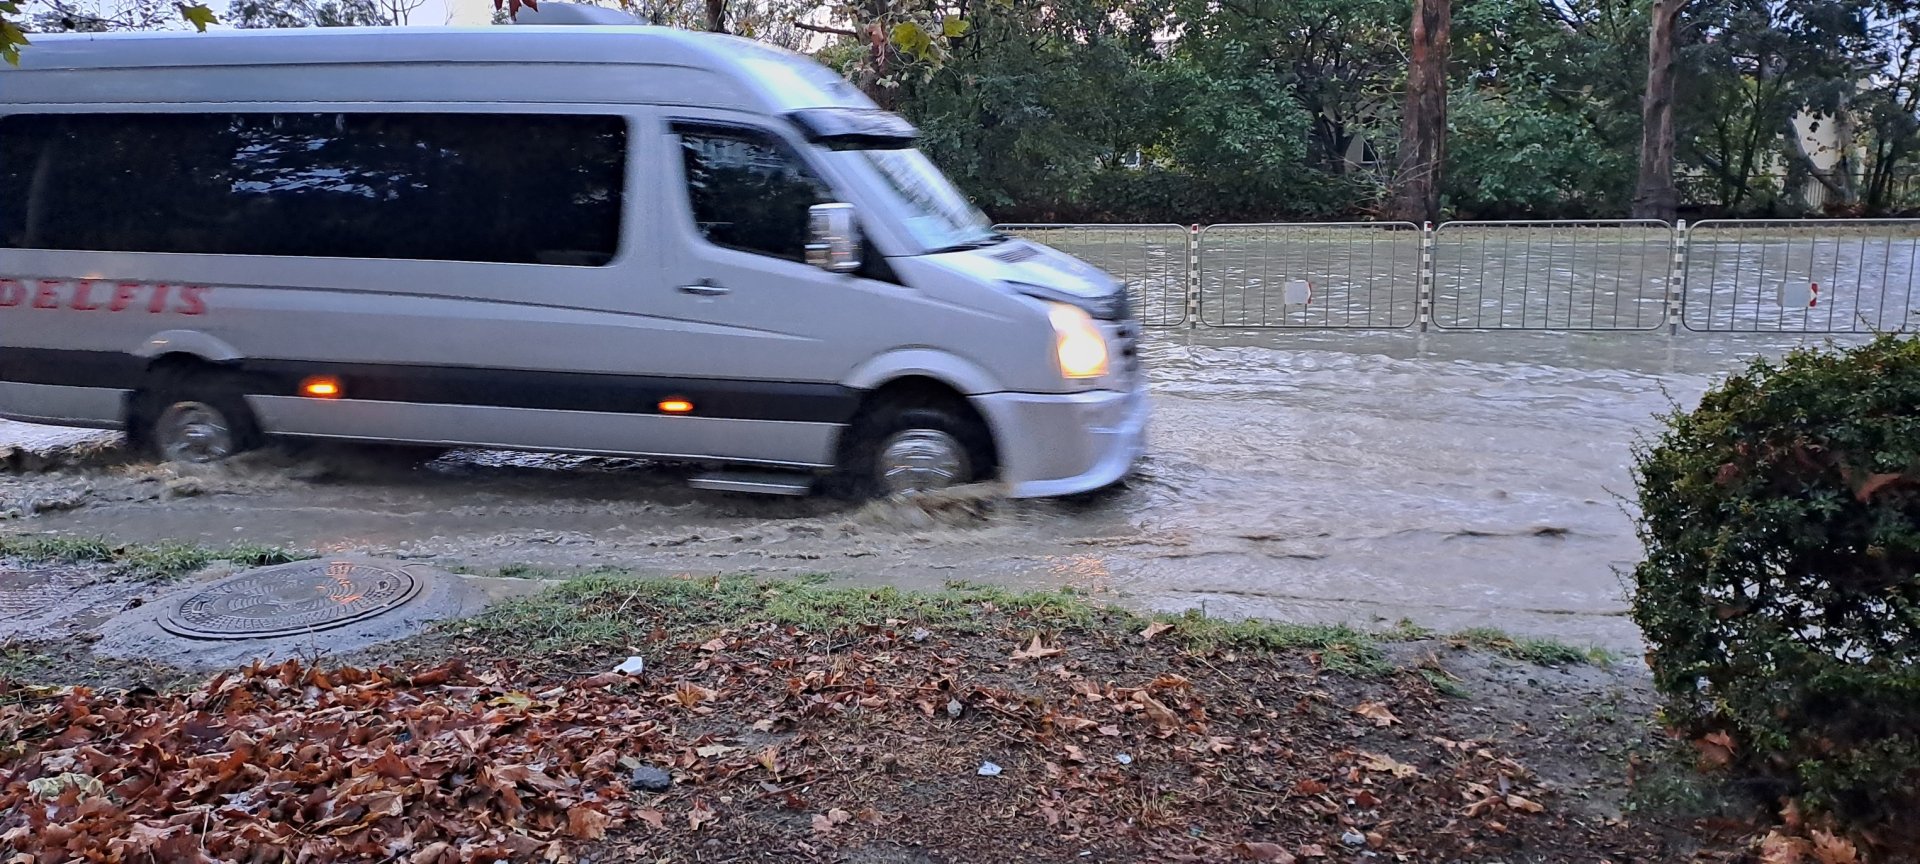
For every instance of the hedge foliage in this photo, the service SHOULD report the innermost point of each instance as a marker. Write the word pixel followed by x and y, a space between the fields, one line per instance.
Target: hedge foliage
pixel 1780 595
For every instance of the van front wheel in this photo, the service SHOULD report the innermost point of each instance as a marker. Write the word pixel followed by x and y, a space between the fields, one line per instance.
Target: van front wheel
pixel 194 416
pixel 917 448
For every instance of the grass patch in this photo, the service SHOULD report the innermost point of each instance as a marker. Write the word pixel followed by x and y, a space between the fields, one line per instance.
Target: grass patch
pixel 1444 684
pixel 611 610
pixel 1340 648
pixel 1540 652
pixel 158 562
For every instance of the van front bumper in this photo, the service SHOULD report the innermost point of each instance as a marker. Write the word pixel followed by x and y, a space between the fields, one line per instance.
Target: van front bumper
pixel 1061 444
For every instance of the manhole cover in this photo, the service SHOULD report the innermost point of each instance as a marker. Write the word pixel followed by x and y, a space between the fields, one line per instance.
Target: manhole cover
pixel 30 593
pixel 290 600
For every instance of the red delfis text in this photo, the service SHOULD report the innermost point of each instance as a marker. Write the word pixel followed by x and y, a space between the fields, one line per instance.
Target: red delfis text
pixel 100 295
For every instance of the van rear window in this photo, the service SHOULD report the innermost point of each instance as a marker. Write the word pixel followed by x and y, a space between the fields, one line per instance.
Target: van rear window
pixel 510 188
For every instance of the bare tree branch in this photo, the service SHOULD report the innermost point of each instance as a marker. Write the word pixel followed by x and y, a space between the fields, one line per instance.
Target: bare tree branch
pixel 831 31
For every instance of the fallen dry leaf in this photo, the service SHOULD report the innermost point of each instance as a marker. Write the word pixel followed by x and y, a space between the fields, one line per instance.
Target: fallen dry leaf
pixel 1877 482
pixel 1716 750
pixel 689 694
pixel 1263 852
pixel 1778 848
pixel 700 815
pixel 1155 629
pixel 1833 849
pixel 586 823
pixel 1036 651
pixel 1376 712
pixel 514 700
pixel 1790 814
pixel 654 818
pixel 1523 805
pixel 831 819
pixel 1387 765
pixel 1161 715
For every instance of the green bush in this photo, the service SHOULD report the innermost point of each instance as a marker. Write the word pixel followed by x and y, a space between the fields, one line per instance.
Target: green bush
pixel 1780 595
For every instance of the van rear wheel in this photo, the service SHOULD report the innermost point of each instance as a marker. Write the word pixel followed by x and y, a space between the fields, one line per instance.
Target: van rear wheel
pixel 904 449
pixel 194 416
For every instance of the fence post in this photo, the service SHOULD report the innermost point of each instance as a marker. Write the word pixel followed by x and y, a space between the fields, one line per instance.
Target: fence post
pixel 1193 276
pixel 1425 301
pixel 1677 278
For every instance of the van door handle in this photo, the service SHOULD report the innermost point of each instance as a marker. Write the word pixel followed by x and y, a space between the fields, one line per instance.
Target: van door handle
pixel 705 288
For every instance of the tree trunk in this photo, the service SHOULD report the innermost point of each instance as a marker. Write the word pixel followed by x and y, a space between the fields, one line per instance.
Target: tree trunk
pixel 1837 180
pixel 717 16
pixel 1423 123
pixel 1655 197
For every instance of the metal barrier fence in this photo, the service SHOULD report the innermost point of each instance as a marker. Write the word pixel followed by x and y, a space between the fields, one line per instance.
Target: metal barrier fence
pixel 1752 276
pixel 1155 262
pixel 1731 276
pixel 1338 276
pixel 1552 275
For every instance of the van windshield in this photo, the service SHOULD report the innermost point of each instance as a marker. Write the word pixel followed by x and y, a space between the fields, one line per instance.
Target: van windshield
pixel 936 214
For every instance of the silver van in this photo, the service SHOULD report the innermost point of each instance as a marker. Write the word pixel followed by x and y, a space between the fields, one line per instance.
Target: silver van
pixel 614 240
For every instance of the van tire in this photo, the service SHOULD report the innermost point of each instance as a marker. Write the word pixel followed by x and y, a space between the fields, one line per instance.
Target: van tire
pixel 178 396
pixel 923 426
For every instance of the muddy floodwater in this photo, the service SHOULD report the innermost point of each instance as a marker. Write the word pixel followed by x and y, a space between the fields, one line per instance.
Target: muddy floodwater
pixel 1453 479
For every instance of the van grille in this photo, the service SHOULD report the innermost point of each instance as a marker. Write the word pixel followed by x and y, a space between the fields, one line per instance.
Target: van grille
pixel 1127 335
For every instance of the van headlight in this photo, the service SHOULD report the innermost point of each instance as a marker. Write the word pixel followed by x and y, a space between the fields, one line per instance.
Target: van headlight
pixel 1077 342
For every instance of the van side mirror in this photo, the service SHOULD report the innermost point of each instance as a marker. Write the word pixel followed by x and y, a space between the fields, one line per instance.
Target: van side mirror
pixel 833 238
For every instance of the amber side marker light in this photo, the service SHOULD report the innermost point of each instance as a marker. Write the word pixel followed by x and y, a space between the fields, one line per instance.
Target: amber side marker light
pixel 320 388
pixel 676 406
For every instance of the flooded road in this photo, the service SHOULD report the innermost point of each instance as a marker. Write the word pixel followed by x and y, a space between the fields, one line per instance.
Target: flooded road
pixel 1452 479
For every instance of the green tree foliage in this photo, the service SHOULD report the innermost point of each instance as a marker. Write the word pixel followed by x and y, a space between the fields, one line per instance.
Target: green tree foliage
pixel 1889 111
pixel 1754 66
pixel 11 37
pixel 1089 109
pixel 1780 595
pixel 1208 110
pixel 1187 110
pixel 1544 119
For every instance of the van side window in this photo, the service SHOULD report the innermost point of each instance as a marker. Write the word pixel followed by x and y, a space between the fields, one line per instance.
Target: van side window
pixel 749 192
pixel 508 188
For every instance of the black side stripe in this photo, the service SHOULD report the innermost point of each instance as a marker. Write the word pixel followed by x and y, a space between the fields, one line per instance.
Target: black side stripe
pixel 63 368
pixel 458 385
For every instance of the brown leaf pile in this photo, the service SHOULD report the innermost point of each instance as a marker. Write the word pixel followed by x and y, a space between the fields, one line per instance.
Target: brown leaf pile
pixel 800 745
pixel 294 763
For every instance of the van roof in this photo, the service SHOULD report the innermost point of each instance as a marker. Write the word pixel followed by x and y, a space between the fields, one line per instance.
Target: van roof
pixel 789 80
pixel 311 45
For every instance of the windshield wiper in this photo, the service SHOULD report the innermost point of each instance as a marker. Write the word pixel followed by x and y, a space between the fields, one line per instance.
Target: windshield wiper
pixel 992 239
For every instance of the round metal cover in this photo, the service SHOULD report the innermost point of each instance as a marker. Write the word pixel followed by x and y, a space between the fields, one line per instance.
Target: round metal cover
pixel 290 600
